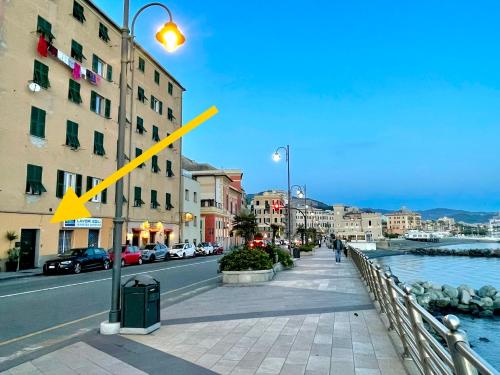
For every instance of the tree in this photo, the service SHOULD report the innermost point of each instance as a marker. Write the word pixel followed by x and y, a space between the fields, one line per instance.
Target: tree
pixel 245 224
pixel 275 228
pixel 301 231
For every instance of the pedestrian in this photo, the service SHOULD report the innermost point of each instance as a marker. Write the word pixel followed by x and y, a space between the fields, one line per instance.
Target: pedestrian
pixel 337 247
pixel 345 249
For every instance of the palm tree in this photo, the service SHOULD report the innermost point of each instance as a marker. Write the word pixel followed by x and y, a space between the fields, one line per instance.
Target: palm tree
pixel 245 224
pixel 301 231
pixel 275 228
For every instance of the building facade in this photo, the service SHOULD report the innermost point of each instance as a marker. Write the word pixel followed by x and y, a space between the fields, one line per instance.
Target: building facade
pixel 59 100
pixel 494 227
pixel 399 222
pixel 269 208
pixel 191 213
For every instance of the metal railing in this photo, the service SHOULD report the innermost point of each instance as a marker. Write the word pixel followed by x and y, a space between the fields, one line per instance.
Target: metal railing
pixel 417 329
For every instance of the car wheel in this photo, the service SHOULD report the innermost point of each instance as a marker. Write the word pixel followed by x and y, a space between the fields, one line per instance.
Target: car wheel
pixel 152 258
pixel 123 262
pixel 140 261
pixel 105 265
pixel 183 255
pixel 77 268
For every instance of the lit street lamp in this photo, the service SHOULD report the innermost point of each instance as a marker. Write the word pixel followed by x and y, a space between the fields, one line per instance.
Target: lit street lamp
pixel 302 193
pixel 170 37
pixel 276 158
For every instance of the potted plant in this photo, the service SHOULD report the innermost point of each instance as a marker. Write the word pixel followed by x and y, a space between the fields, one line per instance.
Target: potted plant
pixel 12 263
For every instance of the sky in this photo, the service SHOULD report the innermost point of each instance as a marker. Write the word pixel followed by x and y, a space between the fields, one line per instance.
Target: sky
pixel 383 103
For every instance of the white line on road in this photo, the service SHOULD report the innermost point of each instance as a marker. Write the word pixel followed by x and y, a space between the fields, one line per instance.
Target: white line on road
pixel 2 343
pixel 105 279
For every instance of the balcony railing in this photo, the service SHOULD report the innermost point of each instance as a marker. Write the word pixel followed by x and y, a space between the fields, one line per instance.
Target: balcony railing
pixel 434 347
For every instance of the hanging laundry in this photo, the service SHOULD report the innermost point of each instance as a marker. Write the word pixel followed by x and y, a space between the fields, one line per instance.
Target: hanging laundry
pixel 53 50
pixel 83 72
pixel 42 46
pixel 91 77
pixel 63 57
pixel 76 71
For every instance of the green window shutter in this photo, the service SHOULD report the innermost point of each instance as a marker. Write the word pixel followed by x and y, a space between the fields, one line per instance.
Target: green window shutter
pixel 99 143
pixel 142 64
pixel 170 173
pixel 78 12
pixel 155 168
pixel 72 135
pixel 34 180
pixel 104 196
pixel 161 108
pixel 107 108
pixel 170 114
pixel 45 28
pixel 109 73
pixel 60 184
pixel 140 125
pixel 78 188
pixel 140 94
pixel 154 199
pixel 89 183
pixel 138 202
pixel 171 145
pixel 152 102
pixel 170 88
pixel 95 62
pixel 77 51
pixel 41 74
pixel 156 137
pixel 168 201
pixel 93 103
pixel 157 77
pixel 37 123
pixel 74 92
pixel 103 32
pixel 138 152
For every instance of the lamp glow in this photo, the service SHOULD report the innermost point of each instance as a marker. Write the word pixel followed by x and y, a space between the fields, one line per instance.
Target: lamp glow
pixel 276 156
pixel 300 194
pixel 170 36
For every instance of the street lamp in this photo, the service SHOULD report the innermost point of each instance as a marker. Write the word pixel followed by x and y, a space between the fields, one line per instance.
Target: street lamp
pixel 276 158
pixel 171 37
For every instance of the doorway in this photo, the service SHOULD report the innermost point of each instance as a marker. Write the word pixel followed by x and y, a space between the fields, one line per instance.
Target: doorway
pixel 93 238
pixel 28 249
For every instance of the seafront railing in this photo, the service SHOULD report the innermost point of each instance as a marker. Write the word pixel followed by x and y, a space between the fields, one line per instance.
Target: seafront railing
pixel 417 329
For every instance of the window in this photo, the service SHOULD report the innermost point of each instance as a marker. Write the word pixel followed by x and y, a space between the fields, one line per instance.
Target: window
pixel 170 114
pixel 195 221
pixel 100 105
pixel 101 197
pixel 195 196
pixel 72 135
pixel 74 92
pixel 186 194
pixel 155 168
pixel 156 105
pixel 171 145
pixel 140 94
pixel 156 136
pixel 41 74
pixel 170 173
pixel 138 202
pixel 78 12
pixel 140 125
pixel 170 88
pixel 154 199
pixel 37 123
pixel 138 152
pixel 66 180
pixel 100 66
pixel 168 201
pixel 34 180
pixel 45 28
pixel 142 64
pixel 99 143
pixel 103 32
pixel 77 51
pixel 157 77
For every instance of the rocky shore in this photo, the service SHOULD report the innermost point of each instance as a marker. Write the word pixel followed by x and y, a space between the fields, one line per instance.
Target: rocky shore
pixel 439 299
pixel 484 253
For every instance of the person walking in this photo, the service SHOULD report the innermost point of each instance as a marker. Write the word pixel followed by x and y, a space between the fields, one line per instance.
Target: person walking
pixel 337 247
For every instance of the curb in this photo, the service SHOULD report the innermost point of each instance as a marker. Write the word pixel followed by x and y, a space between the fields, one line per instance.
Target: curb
pixel 20 276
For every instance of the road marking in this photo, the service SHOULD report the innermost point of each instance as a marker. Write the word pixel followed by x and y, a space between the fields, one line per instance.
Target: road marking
pixel 105 279
pixel 2 343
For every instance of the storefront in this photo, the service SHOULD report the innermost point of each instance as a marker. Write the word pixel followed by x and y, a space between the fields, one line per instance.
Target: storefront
pixel 141 234
pixel 91 232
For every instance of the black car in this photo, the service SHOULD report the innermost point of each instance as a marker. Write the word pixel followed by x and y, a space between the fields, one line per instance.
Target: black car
pixel 77 260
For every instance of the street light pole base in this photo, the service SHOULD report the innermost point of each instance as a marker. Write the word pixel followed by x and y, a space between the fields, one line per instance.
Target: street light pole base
pixel 107 328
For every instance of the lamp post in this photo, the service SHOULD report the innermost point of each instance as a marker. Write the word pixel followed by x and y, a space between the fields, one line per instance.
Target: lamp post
pixel 302 193
pixel 171 37
pixel 276 158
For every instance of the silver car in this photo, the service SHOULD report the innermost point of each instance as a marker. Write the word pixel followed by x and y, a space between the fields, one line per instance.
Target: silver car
pixel 153 252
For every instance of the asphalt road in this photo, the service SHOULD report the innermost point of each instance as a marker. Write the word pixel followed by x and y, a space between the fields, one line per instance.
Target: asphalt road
pixel 40 310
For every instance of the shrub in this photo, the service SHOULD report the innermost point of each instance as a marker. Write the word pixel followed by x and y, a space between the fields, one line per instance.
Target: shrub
pixel 246 260
pixel 306 248
pixel 284 258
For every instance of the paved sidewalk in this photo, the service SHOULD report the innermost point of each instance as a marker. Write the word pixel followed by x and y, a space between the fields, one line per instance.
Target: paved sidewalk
pixel 20 274
pixel 314 319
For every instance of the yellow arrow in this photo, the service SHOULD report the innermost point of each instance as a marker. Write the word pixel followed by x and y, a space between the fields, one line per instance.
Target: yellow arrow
pixel 73 207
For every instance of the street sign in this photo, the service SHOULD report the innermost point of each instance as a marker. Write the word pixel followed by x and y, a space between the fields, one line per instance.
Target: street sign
pixel 83 223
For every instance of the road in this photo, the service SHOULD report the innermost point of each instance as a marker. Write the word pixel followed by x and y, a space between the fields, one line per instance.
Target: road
pixel 37 311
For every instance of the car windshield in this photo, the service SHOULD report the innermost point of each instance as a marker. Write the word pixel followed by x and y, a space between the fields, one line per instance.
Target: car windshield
pixel 74 252
pixel 149 247
pixel 178 246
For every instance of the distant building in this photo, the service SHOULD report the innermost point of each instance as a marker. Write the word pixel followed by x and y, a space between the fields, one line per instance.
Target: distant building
pixel 263 207
pixel 190 230
pixel 399 222
pixel 494 227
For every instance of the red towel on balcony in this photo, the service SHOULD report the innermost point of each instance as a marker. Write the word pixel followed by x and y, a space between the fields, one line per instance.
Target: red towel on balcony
pixel 42 46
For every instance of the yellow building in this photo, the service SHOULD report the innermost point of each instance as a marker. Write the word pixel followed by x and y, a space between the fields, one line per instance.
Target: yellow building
pixel 59 95
pixel 269 208
pixel 399 222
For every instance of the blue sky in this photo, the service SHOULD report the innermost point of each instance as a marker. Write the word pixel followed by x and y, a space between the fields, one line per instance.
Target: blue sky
pixel 384 103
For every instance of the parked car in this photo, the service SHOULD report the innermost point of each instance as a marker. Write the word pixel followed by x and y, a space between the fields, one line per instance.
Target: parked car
pixel 130 255
pixel 155 251
pixel 204 248
pixel 218 249
pixel 77 260
pixel 182 250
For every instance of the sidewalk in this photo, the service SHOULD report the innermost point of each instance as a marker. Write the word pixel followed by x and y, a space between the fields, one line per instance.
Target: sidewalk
pixel 314 319
pixel 20 274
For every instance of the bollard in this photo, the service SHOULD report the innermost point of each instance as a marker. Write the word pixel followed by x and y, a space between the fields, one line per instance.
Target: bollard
pixel 453 337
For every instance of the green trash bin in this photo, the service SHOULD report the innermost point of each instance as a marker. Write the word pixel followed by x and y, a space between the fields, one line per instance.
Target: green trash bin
pixel 296 252
pixel 140 313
